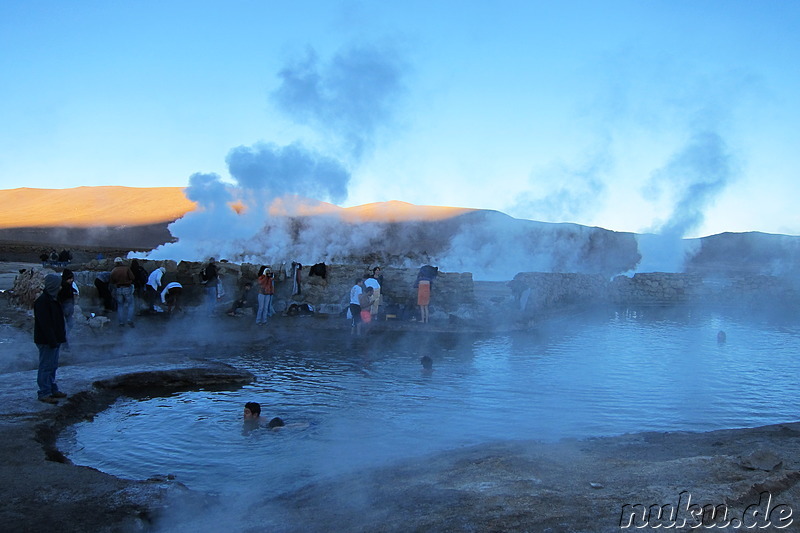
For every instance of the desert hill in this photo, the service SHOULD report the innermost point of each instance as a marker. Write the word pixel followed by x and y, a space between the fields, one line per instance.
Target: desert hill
pixel 86 207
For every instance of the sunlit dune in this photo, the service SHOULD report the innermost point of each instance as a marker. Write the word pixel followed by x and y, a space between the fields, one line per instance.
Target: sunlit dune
pixel 393 211
pixel 296 206
pixel 84 207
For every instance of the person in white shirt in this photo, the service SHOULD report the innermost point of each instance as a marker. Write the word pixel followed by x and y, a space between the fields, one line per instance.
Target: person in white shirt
pixel 170 296
pixel 152 287
pixel 355 306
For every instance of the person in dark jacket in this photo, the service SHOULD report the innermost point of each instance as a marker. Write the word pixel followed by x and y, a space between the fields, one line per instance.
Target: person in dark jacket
pixel 102 282
pixel 140 278
pixel 49 332
pixel 209 277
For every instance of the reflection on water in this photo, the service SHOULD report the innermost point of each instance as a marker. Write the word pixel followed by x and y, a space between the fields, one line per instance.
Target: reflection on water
pixel 366 403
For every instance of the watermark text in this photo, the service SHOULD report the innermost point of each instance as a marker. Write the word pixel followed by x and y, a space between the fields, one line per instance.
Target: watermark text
pixel 766 513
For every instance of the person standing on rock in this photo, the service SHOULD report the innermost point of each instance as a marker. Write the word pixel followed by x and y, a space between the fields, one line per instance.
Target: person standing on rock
pixel 49 332
pixel 210 278
pixel 374 283
pixel 266 290
pixel 122 277
pixel 355 305
pixel 425 278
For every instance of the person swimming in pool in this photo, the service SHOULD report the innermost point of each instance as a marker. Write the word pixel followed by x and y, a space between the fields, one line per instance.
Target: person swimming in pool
pixel 253 419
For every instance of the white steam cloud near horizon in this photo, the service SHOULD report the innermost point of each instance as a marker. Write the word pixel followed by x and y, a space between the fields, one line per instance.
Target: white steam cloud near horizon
pixel 351 100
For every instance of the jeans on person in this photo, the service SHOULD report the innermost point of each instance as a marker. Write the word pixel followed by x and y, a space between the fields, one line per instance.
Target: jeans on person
pixel 264 306
pixel 125 305
pixel 69 313
pixel 211 299
pixel 48 364
pixel 150 297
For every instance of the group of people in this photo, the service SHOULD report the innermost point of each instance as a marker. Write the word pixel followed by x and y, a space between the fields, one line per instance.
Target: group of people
pixel 120 288
pixel 365 300
pixel 54 310
pixel 54 258
pixel 365 296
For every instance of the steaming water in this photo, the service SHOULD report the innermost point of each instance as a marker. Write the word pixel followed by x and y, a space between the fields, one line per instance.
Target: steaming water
pixel 368 403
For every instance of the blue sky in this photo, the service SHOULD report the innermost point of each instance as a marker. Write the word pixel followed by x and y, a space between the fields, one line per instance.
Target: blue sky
pixel 656 116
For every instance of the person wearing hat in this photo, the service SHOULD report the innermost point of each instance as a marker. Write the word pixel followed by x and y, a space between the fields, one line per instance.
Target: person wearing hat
pixel 49 332
pixel 122 277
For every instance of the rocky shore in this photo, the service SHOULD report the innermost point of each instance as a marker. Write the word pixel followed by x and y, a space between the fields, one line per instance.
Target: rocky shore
pixel 501 486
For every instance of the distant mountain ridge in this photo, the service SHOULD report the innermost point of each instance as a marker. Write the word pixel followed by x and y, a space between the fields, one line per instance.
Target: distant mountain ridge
pixel 465 239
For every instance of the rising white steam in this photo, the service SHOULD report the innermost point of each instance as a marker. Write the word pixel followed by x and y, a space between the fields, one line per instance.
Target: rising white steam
pixel 694 177
pixel 352 97
pixel 259 216
pixel 233 221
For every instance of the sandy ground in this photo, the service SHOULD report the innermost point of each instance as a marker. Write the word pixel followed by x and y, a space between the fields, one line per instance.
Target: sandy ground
pixel 503 486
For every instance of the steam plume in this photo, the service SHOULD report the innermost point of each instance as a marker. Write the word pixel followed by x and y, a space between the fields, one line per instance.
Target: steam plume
pixel 694 176
pixel 697 174
pixel 262 173
pixel 292 169
pixel 579 187
pixel 352 97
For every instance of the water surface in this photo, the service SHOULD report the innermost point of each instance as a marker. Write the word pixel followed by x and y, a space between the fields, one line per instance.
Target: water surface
pixel 369 402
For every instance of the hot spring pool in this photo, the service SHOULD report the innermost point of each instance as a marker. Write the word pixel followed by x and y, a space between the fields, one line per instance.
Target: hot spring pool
pixel 368 402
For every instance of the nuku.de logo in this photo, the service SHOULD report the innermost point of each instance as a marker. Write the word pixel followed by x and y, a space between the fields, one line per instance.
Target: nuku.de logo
pixel 685 514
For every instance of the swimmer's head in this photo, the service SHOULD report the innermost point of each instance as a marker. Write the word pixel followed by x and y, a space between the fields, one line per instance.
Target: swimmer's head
pixel 276 423
pixel 427 362
pixel 252 410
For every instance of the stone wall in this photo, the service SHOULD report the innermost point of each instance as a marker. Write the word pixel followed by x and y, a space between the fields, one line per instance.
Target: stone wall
pixel 537 291
pixel 330 295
